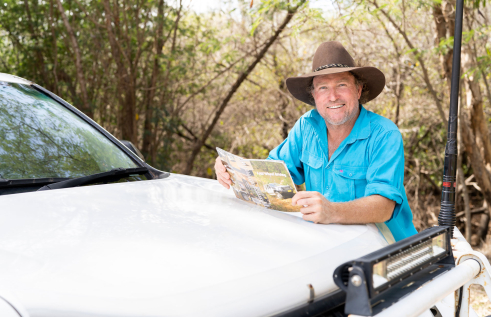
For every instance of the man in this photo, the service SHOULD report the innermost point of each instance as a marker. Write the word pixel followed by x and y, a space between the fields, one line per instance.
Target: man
pixel 351 160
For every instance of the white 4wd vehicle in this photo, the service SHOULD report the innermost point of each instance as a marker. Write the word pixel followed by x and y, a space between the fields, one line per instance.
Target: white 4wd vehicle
pixel 141 242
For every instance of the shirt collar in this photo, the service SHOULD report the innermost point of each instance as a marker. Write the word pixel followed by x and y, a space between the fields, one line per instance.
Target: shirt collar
pixel 361 130
pixel 320 128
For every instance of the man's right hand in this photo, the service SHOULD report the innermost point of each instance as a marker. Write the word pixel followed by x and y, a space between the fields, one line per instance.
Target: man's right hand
pixel 223 176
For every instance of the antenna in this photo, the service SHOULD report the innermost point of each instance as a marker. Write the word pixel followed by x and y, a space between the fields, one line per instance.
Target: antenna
pixel 447 206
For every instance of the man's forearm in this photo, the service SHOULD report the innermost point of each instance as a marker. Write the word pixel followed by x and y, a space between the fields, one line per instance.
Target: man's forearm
pixel 368 209
pixel 318 209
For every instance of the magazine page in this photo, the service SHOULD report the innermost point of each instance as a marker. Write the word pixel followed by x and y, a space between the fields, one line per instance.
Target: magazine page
pixel 241 174
pixel 274 179
pixel 265 183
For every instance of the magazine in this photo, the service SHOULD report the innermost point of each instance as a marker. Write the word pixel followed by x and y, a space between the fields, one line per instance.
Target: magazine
pixel 266 183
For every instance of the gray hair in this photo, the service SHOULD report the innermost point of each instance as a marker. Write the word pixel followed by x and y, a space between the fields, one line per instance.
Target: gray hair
pixel 359 80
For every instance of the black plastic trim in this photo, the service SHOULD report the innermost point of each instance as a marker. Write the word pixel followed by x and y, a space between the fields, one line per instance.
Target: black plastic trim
pixel 109 176
pixel 9 183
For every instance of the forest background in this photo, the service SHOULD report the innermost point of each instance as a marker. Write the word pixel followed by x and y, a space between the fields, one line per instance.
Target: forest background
pixel 178 82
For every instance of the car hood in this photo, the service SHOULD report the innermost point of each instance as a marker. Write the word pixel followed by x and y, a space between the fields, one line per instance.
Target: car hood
pixel 181 246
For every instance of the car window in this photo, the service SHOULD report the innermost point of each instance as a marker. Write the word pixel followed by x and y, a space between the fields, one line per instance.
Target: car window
pixel 40 138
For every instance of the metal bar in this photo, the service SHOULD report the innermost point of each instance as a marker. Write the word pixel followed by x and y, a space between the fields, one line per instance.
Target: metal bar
pixel 434 291
pixel 447 206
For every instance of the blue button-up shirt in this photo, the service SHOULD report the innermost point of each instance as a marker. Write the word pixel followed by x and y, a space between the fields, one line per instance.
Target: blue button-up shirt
pixel 370 161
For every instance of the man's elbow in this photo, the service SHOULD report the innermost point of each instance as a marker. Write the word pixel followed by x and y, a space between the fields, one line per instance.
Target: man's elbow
pixel 387 208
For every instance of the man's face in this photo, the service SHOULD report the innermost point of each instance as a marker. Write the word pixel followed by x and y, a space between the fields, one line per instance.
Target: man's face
pixel 336 97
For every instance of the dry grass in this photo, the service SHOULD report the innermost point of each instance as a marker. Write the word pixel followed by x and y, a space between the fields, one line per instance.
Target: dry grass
pixel 479 301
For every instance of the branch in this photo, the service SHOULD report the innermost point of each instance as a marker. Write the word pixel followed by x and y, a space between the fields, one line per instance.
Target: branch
pixel 179 133
pixel 237 84
pixel 420 60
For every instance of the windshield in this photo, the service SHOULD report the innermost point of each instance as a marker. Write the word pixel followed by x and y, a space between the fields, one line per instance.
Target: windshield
pixel 40 138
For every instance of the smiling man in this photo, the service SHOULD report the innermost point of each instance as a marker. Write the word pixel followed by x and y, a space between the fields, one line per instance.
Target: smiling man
pixel 350 159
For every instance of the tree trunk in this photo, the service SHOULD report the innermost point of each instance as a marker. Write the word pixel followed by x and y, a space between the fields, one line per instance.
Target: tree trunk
pixel 474 103
pixel 55 47
pixel 38 52
pixel 442 25
pixel 461 179
pixel 154 134
pixel 480 172
pixel 126 88
pixel 86 108
pixel 149 111
pixel 398 93
pixel 477 162
pixel 199 144
pixel 482 231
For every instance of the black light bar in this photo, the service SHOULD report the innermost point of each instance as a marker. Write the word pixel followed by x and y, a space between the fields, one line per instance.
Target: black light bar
pixel 379 279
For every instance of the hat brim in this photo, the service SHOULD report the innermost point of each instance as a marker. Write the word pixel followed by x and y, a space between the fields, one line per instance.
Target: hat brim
pixel 298 86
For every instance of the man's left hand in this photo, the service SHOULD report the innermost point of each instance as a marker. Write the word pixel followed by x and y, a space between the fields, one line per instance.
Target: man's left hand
pixel 316 207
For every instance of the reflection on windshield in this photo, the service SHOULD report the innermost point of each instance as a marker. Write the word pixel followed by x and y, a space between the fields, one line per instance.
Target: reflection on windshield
pixel 41 139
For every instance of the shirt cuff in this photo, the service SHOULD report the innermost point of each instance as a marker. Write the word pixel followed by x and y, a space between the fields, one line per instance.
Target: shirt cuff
pixel 386 190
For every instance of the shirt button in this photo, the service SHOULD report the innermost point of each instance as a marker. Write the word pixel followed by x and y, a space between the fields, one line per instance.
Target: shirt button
pixel 327 188
pixel 350 174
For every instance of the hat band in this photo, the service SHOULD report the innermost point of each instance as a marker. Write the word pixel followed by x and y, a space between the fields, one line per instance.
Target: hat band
pixel 330 66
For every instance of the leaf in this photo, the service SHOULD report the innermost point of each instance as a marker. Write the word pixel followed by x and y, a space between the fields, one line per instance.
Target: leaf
pixel 255 25
pixel 250 6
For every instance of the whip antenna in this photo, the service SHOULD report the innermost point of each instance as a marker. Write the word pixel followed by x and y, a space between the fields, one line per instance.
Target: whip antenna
pixel 447 207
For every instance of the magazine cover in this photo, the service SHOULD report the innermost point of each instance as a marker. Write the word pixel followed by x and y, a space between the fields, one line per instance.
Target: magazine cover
pixel 265 183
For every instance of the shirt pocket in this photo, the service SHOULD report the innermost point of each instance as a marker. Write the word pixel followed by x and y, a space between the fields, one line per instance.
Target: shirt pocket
pixel 314 175
pixel 350 182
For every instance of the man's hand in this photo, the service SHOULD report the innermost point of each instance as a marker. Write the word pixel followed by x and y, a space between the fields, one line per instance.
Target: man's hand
pixel 223 176
pixel 316 207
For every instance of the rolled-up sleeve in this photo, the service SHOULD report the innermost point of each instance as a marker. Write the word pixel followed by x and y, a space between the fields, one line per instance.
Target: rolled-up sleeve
pixel 289 151
pixel 385 173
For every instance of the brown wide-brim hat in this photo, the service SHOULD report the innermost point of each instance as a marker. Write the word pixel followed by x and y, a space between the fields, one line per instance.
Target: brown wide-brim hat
pixel 332 58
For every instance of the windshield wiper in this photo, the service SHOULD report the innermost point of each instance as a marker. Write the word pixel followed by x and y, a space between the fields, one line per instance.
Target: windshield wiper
pixel 23 182
pixel 111 176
